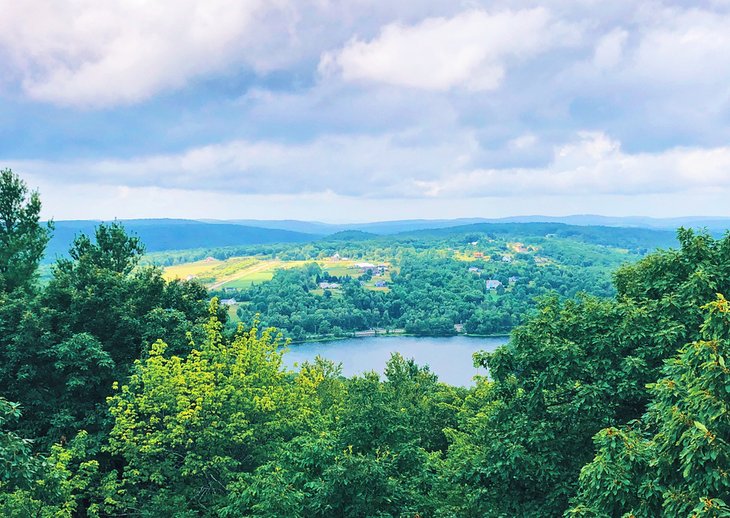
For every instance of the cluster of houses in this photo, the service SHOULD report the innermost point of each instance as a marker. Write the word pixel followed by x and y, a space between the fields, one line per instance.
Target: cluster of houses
pixel 374 269
pixel 506 258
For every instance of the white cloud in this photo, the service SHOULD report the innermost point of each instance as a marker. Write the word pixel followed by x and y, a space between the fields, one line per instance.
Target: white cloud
pixel 89 53
pixel 403 165
pixel 522 142
pixel 383 165
pixel 596 165
pixel 471 50
pixel 688 47
pixel 609 49
pixel 399 110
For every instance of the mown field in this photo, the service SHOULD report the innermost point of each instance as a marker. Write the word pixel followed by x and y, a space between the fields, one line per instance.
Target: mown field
pixel 242 272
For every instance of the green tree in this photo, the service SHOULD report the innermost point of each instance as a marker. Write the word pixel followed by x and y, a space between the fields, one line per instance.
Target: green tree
pixel 187 427
pixel 23 239
pixel 676 461
pixel 17 465
pixel 98 314
pixel 374 454
pixel 575 368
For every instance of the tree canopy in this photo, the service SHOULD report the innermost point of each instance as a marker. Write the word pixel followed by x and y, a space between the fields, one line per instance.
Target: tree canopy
pixel 124 394
pixel 23 238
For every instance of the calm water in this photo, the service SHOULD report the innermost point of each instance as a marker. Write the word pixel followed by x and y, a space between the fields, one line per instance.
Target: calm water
pixel 449 357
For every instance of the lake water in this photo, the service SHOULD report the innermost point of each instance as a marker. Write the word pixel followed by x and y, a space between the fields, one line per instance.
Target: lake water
pixel 449 357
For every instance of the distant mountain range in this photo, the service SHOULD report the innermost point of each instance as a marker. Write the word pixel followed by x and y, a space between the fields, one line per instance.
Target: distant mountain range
pixel 713 224
pixel 180 234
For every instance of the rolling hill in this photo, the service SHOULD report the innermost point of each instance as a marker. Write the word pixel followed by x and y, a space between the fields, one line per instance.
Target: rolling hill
pixel 174 234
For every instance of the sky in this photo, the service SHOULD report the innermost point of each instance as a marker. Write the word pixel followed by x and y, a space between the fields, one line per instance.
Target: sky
pixel 358 110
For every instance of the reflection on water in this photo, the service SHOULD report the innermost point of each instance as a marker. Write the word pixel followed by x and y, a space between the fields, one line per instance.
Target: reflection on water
pixel 449 357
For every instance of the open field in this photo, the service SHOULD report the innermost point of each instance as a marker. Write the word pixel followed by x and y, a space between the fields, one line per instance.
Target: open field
pixel 242 272
pixel 469 256
pixel 209 270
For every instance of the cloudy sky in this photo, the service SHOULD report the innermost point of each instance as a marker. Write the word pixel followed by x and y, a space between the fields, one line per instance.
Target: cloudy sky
pixel 360 110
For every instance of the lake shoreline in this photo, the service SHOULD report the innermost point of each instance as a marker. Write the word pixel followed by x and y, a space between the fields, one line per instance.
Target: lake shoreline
pixel 391 335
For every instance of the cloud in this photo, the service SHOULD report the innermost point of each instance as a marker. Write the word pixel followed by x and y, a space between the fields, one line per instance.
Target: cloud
pixel 662 58
pixel 595 164
pixel 609 49
pixel 97 54
pixel 404 165
pixel 82 53
pixel 687 48
pixel 428 101
pixel 383 165
pixel 470 50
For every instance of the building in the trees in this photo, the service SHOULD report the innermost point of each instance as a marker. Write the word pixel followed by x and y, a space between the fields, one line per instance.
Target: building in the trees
pixel 492 284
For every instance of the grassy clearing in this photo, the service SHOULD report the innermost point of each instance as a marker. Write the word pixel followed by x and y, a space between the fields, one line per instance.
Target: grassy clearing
pixel 242 272
pixel 469 257
pixel 186 270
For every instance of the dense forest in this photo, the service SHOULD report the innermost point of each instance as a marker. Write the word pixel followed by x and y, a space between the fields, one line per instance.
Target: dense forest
pixel 437 282
pixel 429 295
pixel 122 394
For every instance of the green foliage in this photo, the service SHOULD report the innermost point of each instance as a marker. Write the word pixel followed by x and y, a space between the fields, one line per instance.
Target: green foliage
pixel 62 348
pixel 113 250
pixel 375 456
pixel 574 368
pixel 17 465
pixel 61 485
pixel 141 402
pixel 429 294
pixel 186 427
pixel 22 238
pixel 677 461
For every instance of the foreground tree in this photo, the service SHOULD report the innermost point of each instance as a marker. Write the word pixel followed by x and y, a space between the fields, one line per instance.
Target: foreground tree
pixel 377 454
pixel 97 315
pixel 187 427
pixel 576 367
pixel 17 465
pixel 23 239
pixel 676 461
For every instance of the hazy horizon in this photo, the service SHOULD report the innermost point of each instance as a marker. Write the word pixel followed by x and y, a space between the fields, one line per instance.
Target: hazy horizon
pixel 506 218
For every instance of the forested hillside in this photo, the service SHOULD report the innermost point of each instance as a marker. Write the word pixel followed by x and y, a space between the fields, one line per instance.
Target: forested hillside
pixel 478 279
pixel 125 394
pixel 172 234
pixel 206 238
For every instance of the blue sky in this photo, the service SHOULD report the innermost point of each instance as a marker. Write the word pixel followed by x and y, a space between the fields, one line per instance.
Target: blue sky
pixel 358 110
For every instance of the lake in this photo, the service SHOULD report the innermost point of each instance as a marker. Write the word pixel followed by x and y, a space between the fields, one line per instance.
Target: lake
pixel 449 357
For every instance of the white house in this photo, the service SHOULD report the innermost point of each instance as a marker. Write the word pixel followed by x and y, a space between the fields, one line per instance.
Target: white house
pixel 492 284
